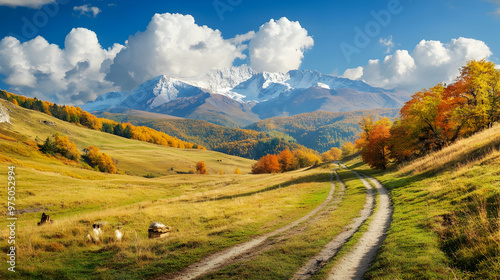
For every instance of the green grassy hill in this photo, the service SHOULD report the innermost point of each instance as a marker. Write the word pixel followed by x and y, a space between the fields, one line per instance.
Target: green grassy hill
pixel 134 157
pixel 446 222
pixel 207 212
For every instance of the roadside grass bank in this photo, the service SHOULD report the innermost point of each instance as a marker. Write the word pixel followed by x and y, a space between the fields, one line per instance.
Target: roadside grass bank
pixel 446 221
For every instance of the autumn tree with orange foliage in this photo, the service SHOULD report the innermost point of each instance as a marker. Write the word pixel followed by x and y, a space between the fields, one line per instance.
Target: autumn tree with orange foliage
pixel 474 98
pixel 61 146
pixel 267 164
pixel 374 142
pixel 66 148
pixel 201 168
pixel 436 117
pixel 286 160
pixel 101 161
pixel 419 130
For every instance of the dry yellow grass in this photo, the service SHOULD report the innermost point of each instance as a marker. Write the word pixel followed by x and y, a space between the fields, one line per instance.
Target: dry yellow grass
pixel 206 216
pixel 461 152
pixel 207 212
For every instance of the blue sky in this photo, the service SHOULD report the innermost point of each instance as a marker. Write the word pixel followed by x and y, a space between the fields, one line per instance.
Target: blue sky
pixel 331 24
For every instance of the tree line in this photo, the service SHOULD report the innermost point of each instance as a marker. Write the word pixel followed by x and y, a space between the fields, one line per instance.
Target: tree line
pixel 434 117
pixel 77 116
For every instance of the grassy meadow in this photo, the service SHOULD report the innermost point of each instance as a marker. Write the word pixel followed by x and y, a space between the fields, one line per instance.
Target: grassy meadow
pixel 206 212
pixel 446 221
pixel 134 157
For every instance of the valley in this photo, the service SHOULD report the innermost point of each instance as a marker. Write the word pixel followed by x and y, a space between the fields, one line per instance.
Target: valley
pixel 302 224
pixel 319 131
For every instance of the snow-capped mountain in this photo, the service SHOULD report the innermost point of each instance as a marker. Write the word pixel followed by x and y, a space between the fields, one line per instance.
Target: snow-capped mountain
pixel 241 94
pixel 223 81
pixel 147 96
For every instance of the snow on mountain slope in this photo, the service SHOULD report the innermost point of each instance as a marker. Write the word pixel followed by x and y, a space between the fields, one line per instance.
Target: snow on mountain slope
pixel 275 93
pixel 263 86
pixel 147 96
pixel 157 92
pixel 223 81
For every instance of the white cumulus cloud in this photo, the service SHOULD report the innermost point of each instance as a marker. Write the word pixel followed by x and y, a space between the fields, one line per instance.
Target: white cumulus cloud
pixel 431 62
pixel 173 45
pixel 35 4
pixel 87 10
pixel 74 74
pixel 353 73
pixel 279 46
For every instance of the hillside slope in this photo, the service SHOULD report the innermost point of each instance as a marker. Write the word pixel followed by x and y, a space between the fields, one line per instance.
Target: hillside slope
pixel 446 213
pixel 153 159
pixel 207 212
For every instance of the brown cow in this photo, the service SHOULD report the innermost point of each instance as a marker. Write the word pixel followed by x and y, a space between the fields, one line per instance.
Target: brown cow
pixel 45 220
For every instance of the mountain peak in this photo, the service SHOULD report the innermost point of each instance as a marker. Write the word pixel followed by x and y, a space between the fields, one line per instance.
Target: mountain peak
pixel 241 89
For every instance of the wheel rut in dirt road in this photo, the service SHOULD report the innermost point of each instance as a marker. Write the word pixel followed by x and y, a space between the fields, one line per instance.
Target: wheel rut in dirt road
pixel 227 256
pixel 355 263
pixel 271 242
pixel 331 249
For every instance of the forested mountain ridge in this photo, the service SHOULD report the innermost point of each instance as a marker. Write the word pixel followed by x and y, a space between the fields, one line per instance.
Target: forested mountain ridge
pixel 197 131
pixel 320 130
pixel 245 143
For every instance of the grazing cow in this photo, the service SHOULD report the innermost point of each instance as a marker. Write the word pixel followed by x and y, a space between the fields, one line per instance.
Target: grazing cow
pixel 45 220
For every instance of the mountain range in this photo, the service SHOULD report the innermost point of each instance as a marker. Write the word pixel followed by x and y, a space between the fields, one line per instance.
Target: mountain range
pixel 240 96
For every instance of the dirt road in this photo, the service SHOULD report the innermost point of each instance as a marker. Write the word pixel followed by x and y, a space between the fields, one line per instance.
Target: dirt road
pixel 221 259
pixel 331 249
pixel 354 264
